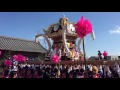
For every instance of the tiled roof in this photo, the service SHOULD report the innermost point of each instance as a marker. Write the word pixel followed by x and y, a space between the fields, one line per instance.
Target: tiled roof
pixel 15 44
pixel 93 58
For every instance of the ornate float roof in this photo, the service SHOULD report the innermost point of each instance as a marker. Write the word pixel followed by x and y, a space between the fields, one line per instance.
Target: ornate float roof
pixel 55 29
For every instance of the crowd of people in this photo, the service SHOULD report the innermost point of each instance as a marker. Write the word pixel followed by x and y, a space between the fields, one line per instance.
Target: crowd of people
pixel 24 70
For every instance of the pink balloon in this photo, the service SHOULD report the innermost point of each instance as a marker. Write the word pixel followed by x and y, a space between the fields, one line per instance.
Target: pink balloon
pixel 83 27
pixel 7 62
pixel 55 59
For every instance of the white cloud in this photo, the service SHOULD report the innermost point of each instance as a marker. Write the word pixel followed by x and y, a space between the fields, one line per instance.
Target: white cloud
pixel 116 30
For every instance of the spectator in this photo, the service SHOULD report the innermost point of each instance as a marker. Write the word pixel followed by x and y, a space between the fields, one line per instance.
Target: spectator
pixel 94 73
pixel 13 74
pixel 29 73
pixel 66 71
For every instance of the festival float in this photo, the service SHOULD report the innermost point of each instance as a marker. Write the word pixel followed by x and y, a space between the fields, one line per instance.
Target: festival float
pixel 64 36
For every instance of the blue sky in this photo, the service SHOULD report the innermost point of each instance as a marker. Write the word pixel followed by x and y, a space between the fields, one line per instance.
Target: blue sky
pixel 26 25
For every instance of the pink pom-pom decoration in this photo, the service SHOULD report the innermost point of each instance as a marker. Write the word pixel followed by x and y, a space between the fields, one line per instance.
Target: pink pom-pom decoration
pixel 7 63
pixel 82 59
pixel 19 58
pixel 83 27
pixel 15 57
pixel 23 59
pixel 55 59
pixel 105 54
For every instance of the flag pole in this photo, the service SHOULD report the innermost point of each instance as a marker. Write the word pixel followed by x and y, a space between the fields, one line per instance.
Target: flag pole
pixel 59 69
pixel 85 62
